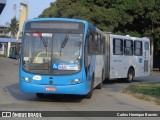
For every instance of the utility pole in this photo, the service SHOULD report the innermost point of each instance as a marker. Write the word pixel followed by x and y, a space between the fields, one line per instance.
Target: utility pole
pixel 23 15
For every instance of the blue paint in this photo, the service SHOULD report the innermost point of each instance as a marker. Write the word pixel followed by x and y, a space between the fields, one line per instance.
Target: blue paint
pixel 62 83
pixel 140 60
pixel 55 66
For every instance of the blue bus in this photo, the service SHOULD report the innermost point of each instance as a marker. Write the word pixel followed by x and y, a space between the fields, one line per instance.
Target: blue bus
pixel 61 56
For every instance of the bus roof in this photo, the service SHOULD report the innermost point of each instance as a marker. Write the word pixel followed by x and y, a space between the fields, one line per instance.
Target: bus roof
pixel 57 19
pixel 69 20
pixel 128 37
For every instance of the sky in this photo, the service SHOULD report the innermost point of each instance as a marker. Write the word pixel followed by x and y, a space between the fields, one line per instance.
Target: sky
pixel 35 8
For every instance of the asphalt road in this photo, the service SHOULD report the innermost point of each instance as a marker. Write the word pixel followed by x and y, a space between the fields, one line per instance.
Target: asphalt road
pixel 109 98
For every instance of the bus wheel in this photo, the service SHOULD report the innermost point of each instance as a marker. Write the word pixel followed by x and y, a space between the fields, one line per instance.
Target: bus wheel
pixel 89 95
pixel 130 75
pixel 40 95
pixel 99 86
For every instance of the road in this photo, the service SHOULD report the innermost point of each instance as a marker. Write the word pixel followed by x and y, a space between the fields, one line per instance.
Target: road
pixel 109 98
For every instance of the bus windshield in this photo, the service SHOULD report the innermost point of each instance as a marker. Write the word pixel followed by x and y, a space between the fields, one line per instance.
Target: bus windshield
pixel 52 53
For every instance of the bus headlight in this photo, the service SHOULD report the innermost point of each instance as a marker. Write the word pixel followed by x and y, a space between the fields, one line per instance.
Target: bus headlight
pixel 75 81
pixel 26 79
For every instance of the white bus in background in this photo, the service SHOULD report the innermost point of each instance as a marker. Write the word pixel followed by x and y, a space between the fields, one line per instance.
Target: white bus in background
pixel 126 57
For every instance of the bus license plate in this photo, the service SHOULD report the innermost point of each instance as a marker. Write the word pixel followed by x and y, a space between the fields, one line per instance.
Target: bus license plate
pixel 50 89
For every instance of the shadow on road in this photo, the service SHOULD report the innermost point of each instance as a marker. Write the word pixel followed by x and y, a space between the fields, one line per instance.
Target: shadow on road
pixel 115 81
pixel 114 85
pixel 14 90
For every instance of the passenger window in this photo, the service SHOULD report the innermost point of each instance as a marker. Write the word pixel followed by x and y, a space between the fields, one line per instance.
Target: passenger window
pixel 102 45
pixel 128 47
pixel 96 44
pixel 138 48
pixel 91 44
pixel 117 46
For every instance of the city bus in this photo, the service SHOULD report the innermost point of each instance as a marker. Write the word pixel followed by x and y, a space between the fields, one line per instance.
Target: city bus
pixel 61 56
pixel 126 57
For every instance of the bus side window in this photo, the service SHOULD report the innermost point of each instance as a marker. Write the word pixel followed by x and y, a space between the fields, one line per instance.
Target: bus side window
pixel 138 48
pixel 96 44
pixel 87 53
pixel 91 44
pixel 117 46
pixel 102 45
pixel 128 47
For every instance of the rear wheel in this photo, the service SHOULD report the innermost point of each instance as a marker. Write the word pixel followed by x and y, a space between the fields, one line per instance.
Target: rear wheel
pixel 40 95
pixel 130 75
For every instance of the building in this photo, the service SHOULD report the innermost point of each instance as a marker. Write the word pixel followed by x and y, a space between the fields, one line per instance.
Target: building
pixel 2 29
pixel 5 45
pixel 2 5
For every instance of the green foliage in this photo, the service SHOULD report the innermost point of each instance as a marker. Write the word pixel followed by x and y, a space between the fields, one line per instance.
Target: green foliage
pixel 133 17
pixel 13 27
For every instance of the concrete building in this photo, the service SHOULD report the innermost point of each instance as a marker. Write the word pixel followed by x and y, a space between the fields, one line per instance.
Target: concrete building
pixel 23 15
pixel 5 45
pixel 2 29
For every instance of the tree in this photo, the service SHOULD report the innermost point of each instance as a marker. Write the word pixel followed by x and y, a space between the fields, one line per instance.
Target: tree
pixel 134 17
pixel 13 27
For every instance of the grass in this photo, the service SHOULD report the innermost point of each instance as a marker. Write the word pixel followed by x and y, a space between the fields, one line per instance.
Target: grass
pixel 145 91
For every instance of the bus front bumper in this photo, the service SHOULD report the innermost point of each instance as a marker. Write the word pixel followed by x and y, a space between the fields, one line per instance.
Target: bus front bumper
pixel 78 89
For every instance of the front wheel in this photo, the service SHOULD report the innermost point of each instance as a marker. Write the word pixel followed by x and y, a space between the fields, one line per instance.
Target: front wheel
pixel 130 75
pixel 89 95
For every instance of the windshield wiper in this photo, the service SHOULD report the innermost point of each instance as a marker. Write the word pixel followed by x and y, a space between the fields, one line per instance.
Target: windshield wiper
pixel 80 48
pixel 65 41
pixel 42 39
pixel 63 44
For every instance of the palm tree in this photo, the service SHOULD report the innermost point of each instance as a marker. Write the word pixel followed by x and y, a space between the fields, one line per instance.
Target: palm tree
pixel 13 27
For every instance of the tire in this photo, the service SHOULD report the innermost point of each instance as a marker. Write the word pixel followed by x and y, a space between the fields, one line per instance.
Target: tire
pixel 99 86
pixel 40 95
pixel 130 75
pixel 89 95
